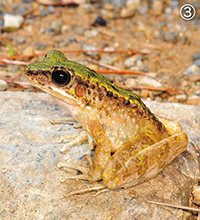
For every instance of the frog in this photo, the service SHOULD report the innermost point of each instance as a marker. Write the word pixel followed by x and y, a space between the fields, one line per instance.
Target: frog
pixel 133 145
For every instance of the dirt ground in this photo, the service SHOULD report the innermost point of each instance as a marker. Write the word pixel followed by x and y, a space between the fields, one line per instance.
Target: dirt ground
pixel 169 41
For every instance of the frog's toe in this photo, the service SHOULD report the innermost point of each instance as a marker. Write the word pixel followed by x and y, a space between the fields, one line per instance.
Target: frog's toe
pixel 100 188
pixel 81 169
pixel 84 172
pixel 68 120
pixel 76 139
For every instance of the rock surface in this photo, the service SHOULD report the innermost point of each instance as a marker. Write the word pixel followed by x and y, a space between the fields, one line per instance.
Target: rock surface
pixel 29 152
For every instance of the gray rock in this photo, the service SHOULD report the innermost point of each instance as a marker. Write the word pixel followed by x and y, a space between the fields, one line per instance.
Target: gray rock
pixel 41 45
pixel 127 12
pixel 142 67
pixel 131 61
pixel 12 22
pixel 21 40
pixel 51 9
pixel 1 23
pixel 181 97
pixel 196 57
pixel 131 3
pixel 116 3
pixel 3 85
pixel 197 62
pixel 91 33
pixel 44 13
pixel 78 30
pixel 56 26
pixel 147 81
pixel 192 70
pixel 27 1
pixel 171 37
pixel 30 186
pixel 197 93
pixel 108 60
pixel 157 7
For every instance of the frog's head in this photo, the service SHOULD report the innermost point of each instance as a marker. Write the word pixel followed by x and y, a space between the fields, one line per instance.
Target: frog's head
pixel 62 78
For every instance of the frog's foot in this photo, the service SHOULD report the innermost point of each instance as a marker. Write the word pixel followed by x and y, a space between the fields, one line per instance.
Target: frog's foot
pixel 100 188
pixel 83 170
pixel 68 120
pixel 83 176
pixel 74 139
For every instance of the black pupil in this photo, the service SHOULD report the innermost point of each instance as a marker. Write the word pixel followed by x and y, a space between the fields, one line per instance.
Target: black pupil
pixel 60 77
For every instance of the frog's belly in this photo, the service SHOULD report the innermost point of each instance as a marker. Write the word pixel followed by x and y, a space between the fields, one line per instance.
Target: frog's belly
pixel 119 130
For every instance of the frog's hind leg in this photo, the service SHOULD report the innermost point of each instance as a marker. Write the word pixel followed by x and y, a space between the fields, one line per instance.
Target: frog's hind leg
pixel 130 166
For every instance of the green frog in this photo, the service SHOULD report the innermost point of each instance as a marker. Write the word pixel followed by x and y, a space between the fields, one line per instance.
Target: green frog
pixel 132 144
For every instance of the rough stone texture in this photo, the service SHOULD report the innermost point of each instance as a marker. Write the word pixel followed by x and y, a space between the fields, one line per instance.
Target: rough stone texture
pixel 29 152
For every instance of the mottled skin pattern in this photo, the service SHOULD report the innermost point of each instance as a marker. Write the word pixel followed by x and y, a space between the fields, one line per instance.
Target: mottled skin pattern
pixel 133 145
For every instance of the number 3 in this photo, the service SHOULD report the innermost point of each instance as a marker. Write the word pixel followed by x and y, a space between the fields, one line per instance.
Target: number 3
pixel 188 12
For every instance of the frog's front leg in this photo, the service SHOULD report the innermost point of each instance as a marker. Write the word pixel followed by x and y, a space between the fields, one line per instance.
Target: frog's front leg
pixel 130 166
pixel 101 157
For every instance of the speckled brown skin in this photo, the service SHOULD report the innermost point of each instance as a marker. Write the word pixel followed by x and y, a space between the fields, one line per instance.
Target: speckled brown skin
pixel 133 145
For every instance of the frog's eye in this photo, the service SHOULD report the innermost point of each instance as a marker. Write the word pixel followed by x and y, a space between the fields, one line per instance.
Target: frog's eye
pixel 60 77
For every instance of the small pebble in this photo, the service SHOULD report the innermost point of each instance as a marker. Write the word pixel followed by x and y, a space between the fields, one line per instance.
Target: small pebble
pixel 89 47
pixel 196 194
pixel 78 30
pixel 127 12
pixel 131 82
pixel 183 39
pixel 19 9
pixel 181 97
pixel 28 50
pixel 56 26
pixel 21 40
pixel 141 66
pixel 109 7
pixel 9 74
pixel 168 11
pixel 133 3
pixel 110 15
pixel 51 9
pixel 27 1
pixel 109 48
pixel 142 9
pixel 41 45
pixel 192 70
pixel 108 60
pixel 44 13
pixel 157 7
pixel 64 28
pixel 116 3
pixel 99 21
pixel 1 23
pixel 161 24
pixel 197 62
pixel 3 85
pixel 196 57
pixel 47 31
pixel 171 37
pixel 197 93
pixel 91 33
pixel 131 61
pixel 12 22
pixel 72 39
pixel 147 81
